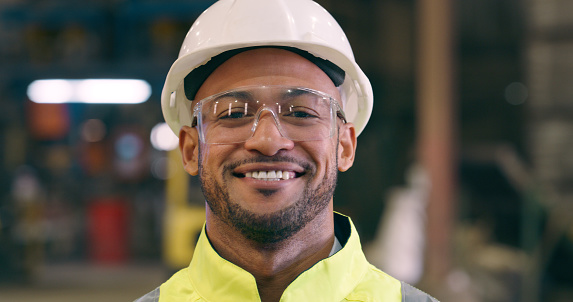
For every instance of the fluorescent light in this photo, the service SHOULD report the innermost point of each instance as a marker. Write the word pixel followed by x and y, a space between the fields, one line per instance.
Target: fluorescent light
pixel 162 138
pixel 93 91
pixel 51 91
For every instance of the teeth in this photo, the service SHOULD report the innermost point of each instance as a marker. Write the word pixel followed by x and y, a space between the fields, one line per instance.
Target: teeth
pixel 269 175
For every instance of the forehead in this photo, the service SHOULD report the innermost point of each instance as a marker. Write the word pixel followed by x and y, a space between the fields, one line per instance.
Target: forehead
pixel 263 67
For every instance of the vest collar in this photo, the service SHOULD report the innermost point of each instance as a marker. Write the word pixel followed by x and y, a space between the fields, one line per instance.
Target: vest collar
pixel 332 279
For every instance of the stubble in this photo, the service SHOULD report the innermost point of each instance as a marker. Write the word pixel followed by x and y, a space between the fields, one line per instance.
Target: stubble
pixel 270 228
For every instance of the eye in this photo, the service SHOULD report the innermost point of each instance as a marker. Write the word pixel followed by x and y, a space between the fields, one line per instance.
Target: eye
pixel 230 109
pixel 301 113
pixel 232 115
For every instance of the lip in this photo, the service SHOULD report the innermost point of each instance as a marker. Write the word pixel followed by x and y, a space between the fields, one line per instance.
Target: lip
pixel 239 173
pixel 243 169
pixel 259 184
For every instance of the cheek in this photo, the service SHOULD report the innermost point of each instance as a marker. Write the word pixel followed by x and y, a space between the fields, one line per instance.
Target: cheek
pixel 216 159
pixel 210 157
pixel 325 156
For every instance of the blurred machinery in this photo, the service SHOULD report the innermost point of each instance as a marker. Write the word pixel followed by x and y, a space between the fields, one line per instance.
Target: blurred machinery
pixel 183 219
pixel 549 63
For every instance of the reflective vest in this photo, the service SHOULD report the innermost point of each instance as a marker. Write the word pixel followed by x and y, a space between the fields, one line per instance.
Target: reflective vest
pixel 344 276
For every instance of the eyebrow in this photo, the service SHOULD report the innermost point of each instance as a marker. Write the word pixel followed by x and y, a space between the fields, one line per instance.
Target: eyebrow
pixel 294 93
pixel 235 94
pixel 246 95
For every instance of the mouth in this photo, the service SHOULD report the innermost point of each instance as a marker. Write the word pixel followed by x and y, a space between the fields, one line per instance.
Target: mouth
pixel 270 175
pixel 269 172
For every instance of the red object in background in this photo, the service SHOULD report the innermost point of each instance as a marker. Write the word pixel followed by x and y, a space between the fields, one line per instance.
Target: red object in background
pixel 48 121
pixel 108 231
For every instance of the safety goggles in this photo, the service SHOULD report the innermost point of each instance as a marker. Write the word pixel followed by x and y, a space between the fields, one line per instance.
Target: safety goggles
pixel 300 114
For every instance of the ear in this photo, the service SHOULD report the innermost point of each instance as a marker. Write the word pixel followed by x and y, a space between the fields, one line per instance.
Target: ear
pixel 189 147
pixel 346 146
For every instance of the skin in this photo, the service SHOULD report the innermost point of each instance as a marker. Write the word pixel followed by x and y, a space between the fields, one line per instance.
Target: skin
pixel 288 225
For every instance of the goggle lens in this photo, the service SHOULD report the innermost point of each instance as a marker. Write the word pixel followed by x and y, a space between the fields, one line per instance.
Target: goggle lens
pixel 300 114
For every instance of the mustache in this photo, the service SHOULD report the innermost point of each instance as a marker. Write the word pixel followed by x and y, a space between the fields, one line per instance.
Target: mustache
pixel 265 159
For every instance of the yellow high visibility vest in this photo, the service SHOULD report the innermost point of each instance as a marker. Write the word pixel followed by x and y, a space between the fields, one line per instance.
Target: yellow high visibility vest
pixel 344 276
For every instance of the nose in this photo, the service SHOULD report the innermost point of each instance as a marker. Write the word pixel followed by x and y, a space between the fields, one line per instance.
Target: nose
pixel 267 138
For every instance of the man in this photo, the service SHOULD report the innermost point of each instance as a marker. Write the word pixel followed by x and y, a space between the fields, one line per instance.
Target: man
pixel 268 101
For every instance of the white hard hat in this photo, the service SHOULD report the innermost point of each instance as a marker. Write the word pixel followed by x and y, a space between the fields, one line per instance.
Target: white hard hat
pixel 236 24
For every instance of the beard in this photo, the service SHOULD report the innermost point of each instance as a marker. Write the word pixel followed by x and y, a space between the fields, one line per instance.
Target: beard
pixel 270 228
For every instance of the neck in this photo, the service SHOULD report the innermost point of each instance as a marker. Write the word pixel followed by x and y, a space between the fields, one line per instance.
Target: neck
pixel 274 266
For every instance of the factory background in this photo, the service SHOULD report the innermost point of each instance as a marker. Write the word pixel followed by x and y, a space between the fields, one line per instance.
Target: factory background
pixel 87 193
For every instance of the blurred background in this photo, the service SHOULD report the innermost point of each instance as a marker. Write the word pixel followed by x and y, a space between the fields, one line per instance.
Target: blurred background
pixel 463 183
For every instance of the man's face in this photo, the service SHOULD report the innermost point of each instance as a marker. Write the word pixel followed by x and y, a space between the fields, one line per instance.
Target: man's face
pixel 268 211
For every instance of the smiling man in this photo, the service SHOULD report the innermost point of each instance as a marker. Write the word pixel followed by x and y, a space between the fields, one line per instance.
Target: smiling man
pixel 245 197
pixel 268 102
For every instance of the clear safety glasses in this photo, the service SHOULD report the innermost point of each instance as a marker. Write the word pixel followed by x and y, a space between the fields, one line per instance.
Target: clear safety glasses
pixel 300 114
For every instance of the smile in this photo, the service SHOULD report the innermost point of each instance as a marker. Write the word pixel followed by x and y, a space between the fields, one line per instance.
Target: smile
pixel 271 175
